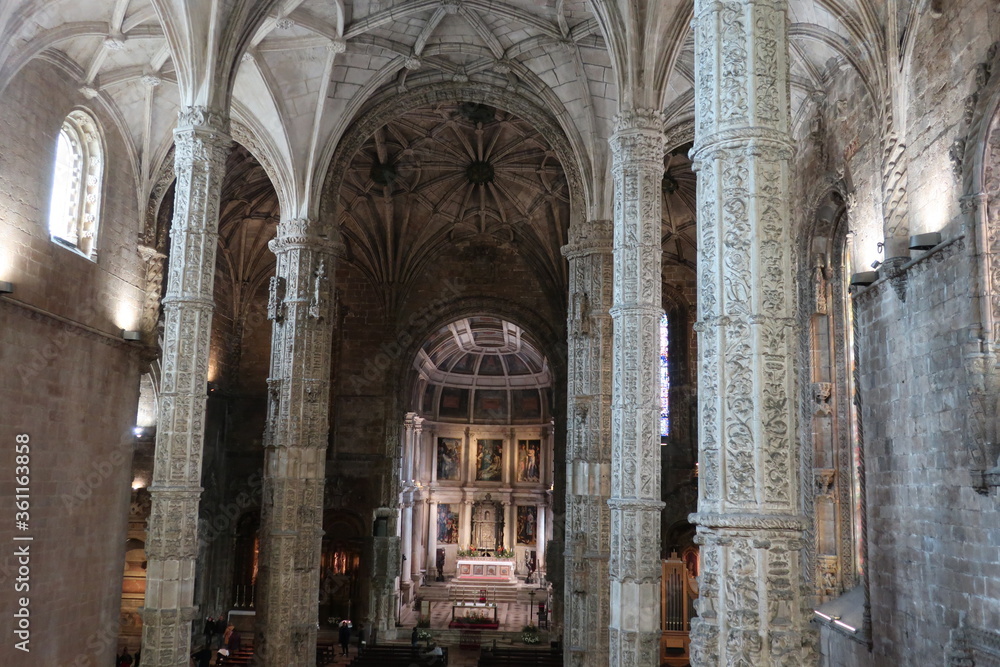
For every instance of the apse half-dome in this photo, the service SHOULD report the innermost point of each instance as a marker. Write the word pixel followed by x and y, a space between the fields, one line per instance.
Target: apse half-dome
pixel 483 370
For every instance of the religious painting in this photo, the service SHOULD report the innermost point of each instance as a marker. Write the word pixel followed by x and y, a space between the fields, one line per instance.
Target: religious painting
pixel 489 460
pixel 447 525
pixel 449 458
pixel 528 452
pixel 527 519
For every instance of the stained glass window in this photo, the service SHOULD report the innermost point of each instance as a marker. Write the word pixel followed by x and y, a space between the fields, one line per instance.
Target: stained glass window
pixel 664 376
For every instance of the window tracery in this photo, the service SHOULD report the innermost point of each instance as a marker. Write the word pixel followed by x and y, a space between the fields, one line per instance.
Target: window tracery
pixel 77 180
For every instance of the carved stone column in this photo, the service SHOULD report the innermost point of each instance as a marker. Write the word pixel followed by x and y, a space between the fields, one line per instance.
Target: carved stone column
pixel 295 439
pixel 202 145
pixel 588 444
pixel 750 520
pixel 637 149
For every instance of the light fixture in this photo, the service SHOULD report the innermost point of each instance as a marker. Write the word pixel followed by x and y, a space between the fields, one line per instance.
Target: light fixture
pixel 6 287
pixel 925 241
pixel 837 621
pixel 822 615
pixel 132 335
pixel 864 278
pixel 137 431
pixel 876 264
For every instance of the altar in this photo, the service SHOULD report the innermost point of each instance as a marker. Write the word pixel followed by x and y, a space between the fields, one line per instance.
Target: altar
pixel 485 569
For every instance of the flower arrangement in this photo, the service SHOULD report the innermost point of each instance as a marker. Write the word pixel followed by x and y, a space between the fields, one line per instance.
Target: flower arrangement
pixel 476 618
pixel 505 553
pixel 423 635
pixel 529 634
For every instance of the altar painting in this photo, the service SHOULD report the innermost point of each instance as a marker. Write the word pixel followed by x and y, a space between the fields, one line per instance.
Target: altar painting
pixel 528 452
pixel 527 519
pixel 489 460
pixel 447 525
pixel 449 458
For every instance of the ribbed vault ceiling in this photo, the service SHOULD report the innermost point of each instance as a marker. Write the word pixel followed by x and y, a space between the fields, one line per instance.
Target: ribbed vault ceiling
pixel 311 65
pixel 456 175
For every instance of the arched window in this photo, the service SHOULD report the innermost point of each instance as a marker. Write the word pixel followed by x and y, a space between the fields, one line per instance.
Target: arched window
pixel 664 376
pixel 74 207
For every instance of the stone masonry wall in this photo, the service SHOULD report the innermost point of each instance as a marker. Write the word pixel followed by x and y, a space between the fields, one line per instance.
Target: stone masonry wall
pixel 934 545
pixel 67 380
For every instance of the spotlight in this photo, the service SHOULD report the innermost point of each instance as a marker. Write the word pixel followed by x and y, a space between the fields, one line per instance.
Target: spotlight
pixel 876 264
pixel 132 335
pixel 925 241
pixel 6 287
pixel 864 278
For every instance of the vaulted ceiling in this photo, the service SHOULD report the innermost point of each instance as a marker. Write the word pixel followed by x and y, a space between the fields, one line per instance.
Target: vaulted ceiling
pixel 311 65
pixel 448 176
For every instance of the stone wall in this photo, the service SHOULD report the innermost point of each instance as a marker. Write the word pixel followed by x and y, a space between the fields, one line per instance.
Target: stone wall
pixel 68 381
pixel 932 539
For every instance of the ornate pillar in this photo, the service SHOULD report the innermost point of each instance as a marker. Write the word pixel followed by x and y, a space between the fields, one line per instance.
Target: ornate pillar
pixel 638 150
pixel 295 439
pixel 750 523
pixel 202 145
pixel 588 444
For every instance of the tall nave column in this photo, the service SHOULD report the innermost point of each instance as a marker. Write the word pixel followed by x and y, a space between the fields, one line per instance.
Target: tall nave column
pixel 638 149
pixel 750 522
pixel 295 440
pixel 202 145
pixel 588 444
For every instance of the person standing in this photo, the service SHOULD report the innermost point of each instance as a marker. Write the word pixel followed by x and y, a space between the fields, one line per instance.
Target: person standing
pixel 344 635
pixel 414 637
pixel 361 638
pixel 209 631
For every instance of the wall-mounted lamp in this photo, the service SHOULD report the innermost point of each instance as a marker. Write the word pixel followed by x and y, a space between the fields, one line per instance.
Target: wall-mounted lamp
pixel 213 388
pixel 6 287
pixel 132 335
pixel 925 241
pixel 864 278
pixel 876 264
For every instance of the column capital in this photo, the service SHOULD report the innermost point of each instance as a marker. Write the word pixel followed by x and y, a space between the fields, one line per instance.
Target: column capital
pixel 304 233
pixel 633 120
pixel 587 238
pixel 202 119
pixel 639 139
